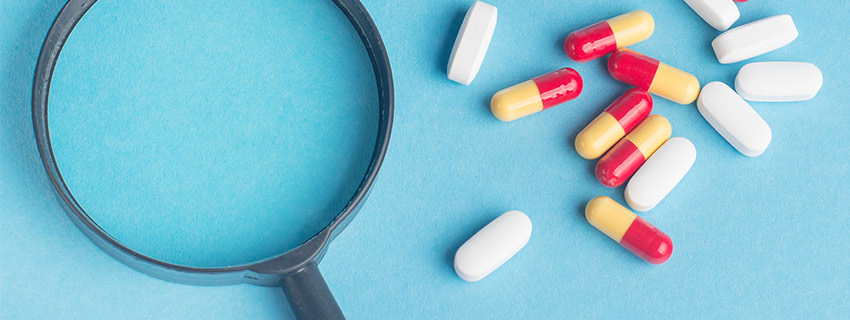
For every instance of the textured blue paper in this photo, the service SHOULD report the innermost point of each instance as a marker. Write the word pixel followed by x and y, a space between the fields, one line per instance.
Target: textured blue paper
pixel 201 139
pixel 761 236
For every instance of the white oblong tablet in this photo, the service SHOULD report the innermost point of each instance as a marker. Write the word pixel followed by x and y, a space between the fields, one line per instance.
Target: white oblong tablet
pixel 734 119
pixel 660 174
pixel 719 14
pixel 754 39
pixel 778 81
pixel 472 42
pixel 492 246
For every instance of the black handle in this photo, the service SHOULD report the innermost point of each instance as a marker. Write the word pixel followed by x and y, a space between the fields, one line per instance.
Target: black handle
pixel 309 296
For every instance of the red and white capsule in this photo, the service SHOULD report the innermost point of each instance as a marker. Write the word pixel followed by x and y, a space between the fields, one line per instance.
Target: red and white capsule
pixel 629 230
pixel 612 124
pixel 619 163
pixel 604 37
pixel 535 95
pixel 654 76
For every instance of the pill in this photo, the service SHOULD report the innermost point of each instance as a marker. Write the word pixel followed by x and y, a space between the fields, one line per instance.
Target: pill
pixel 604 37
pixel 754 39
pixel 472 42
pixel 629 230
pixel 719 14
pixel 660 174
pixel 540 93
pixel 734 119
pixel 613 123
pixel 778 81
pixel 619 163
pixel 651 75
pixel 492 246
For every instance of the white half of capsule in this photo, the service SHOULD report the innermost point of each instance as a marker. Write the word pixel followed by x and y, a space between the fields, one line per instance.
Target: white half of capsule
pixel 472 42
pixel 778 81
pixel 719 14
pixel 492 246
pixel 734 119
pixel 660 174
pixel 754 39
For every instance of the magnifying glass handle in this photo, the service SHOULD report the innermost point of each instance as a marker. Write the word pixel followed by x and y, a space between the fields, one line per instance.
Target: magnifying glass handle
pixel 309 296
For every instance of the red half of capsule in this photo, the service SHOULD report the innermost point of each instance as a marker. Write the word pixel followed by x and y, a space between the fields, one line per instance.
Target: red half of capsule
pixel 619 163
pixel 558 87
pixel 647 242
pixel 631 108
pixel 590 42
pixel 633 68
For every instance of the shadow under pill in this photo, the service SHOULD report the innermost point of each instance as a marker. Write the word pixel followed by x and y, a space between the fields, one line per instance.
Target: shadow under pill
pixel 559 45
pixel 485 108
pixel 442 61
pixel 579 209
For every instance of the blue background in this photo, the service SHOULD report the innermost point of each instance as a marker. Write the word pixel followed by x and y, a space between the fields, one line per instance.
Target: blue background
pixel 753 236
pixel 227 153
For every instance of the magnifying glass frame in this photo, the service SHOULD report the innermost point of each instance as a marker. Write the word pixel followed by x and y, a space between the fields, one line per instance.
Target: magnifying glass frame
pixel 296 270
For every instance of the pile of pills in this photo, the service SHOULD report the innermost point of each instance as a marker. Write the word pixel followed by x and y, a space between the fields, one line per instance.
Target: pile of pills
pixel 633 147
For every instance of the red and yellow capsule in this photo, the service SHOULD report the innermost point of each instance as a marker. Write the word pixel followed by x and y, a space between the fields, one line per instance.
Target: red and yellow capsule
pixel 604 37
pixel 618 165
pixel 612 124
pixel 654 76
pixel 535 95
pixel 629 230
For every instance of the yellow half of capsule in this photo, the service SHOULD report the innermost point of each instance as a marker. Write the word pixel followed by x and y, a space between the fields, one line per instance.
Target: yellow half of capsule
pixel 516 102
pixel 632 27
pixel 675 85
pixel 599 136
pixel 608 216
pixel 650 134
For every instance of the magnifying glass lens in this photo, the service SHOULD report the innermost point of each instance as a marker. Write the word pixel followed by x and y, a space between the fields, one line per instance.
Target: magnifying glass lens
pixel 213 133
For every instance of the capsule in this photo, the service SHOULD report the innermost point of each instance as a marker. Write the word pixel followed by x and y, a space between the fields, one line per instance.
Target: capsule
pixel 604 37
pixel 612 124
pixel 651 75
pixel 540 93
pixel 629 230
pixel 616 166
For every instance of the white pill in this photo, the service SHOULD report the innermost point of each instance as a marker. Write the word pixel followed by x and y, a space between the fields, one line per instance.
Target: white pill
pixel 778 81
pixel 734 119
pixel 492 246
pixel 472 42
pixel 754 39
pixel 720 14
pixel 660 174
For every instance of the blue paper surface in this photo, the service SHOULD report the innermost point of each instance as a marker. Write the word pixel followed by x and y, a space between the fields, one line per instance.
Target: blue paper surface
pixel 203 140
pixel 761 236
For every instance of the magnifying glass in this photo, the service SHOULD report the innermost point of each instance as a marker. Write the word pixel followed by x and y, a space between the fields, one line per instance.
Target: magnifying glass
pixel 215 142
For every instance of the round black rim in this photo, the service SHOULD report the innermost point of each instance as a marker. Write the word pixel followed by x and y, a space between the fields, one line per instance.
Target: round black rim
pixel 265 272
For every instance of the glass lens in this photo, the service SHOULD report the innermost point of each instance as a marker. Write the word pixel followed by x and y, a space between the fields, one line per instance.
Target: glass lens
pixel 213 133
